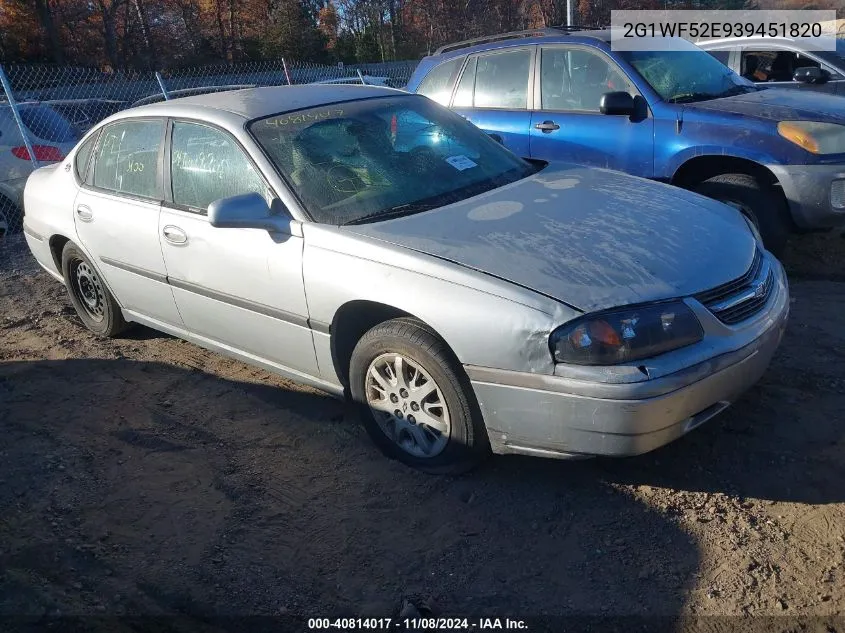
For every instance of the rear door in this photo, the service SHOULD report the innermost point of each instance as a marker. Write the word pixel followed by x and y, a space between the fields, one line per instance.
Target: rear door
pixel 116 213
pixel 567 124
pixel 493 92
pixel 241 288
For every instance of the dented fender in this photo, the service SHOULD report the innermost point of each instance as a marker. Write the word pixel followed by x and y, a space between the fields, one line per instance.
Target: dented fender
pixel 485 321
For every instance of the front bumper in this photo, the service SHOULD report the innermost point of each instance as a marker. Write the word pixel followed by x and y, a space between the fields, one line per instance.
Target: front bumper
pixel 808 190
pixel 558 416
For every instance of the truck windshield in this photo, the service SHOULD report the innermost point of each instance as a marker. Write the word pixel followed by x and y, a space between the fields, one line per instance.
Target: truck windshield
pixel 369 160
pixel 686 76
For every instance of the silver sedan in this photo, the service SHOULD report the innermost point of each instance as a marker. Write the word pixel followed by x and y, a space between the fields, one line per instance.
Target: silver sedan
pixel 375 245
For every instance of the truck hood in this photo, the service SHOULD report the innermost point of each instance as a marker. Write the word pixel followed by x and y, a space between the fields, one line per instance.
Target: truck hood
pixel 780 104
pixel 591 238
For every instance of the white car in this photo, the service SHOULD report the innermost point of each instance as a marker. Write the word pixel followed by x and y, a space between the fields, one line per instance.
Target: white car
pixel 52 137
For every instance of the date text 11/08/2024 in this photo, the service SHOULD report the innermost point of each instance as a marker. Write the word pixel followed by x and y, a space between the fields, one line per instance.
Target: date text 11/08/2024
pixel 417 624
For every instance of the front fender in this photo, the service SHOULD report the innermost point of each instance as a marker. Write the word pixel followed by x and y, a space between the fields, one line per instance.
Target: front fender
pixel 682 134
pixel 485 321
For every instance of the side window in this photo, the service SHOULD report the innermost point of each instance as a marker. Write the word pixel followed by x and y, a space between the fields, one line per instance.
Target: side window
pixel 437 84
pixel 127 158
pixel 723 55
pixel 501 80
pixel 774 65
pixel 206 165
pixel 576 79
pixel 80 161
pixel 466 86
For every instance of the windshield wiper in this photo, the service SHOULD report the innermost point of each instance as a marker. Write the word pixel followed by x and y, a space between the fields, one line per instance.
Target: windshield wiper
pixel 737 90
pixel 392 212
pixel 440 199
pixel 689 97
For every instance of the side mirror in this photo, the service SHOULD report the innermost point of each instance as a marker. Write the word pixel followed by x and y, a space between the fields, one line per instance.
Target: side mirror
pixel 811 75
pixel 497 138
pixel 618 103
pixel 247 211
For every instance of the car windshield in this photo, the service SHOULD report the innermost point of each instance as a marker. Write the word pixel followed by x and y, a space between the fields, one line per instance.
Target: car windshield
pixel 368 160
pixel 687 74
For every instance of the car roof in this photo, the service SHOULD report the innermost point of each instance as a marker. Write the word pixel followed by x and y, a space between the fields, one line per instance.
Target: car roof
pixel 731 41
pixel 522 38
pixel 254 103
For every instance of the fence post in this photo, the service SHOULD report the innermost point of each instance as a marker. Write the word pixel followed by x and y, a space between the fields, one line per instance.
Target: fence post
pixel 361 77
pixel 287 74
pixel 161 85
pixel 7 88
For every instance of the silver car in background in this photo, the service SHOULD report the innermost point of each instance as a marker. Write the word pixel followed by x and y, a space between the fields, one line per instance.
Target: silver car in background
pixel 51 137
pixel 375 245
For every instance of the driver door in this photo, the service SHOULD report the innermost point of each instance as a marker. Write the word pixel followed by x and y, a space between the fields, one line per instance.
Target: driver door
pixel 567 125
pixel 237 288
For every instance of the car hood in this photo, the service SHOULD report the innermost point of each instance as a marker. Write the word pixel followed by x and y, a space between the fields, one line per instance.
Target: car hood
pixel 780 104
pixel 591 238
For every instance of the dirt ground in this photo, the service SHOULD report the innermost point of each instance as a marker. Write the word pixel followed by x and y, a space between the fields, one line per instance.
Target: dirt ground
pixel 147 476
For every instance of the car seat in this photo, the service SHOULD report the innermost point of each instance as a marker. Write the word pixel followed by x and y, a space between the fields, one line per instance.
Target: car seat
pixel 750 64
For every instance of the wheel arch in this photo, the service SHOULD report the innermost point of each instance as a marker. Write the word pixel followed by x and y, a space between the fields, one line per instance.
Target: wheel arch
pixel 699 168
pixel 355 318
pixel 57 244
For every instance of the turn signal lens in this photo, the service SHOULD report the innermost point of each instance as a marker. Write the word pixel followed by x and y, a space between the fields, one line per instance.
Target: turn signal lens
pixel 814 136
pixel 799 136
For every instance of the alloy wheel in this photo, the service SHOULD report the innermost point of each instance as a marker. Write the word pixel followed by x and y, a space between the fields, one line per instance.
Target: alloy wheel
pixel 408 405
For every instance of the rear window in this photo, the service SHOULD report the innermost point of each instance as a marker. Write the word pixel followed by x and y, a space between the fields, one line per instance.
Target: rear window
pixel 80 162
pixel 437 84
pixel 48 125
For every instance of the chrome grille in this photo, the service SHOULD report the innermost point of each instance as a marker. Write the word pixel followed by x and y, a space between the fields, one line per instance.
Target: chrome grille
pixel 743 297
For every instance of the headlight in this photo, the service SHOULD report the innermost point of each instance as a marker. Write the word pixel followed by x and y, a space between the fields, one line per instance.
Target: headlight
pixel 619 336
pixel 813 136
pixel 753 228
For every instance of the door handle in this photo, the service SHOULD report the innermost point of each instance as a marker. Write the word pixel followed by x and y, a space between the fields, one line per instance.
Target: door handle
pixel 547 126
pixel 174 234
pixel 83 212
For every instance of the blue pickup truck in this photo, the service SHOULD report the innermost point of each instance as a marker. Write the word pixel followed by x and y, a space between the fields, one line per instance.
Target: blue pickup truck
pixel 677 116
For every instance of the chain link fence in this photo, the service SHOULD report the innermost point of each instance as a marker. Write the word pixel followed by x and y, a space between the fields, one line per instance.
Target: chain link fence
pixel 56 105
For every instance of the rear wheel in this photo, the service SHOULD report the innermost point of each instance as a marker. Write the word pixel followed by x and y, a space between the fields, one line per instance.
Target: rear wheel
pixel 93 302
pixel 759 202
pixel 415 400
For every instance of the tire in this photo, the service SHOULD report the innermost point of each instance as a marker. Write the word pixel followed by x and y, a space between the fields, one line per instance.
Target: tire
pixel 91 299
pixel 439 428
pixel 11 218
pixel 759 202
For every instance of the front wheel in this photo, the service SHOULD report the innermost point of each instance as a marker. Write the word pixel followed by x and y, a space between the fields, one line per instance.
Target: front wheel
pixel 93 302
pixel 756 201
pixel 415 400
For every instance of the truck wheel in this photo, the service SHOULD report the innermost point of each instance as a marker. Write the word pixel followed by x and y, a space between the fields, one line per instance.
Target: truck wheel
pixel 415 400
pixel 92 301
pixel 758 202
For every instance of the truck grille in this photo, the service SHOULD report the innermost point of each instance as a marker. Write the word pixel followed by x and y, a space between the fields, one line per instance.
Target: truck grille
pixel 743 297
